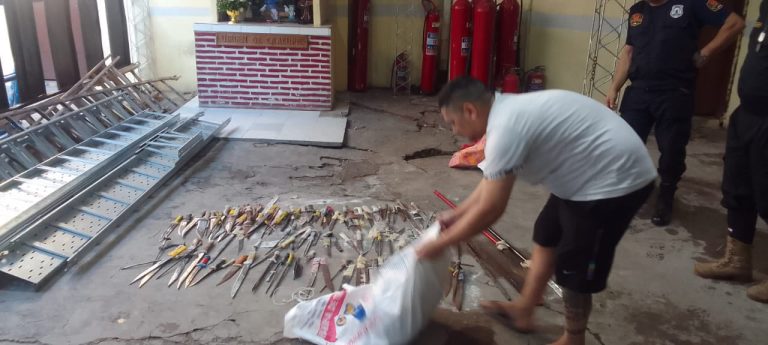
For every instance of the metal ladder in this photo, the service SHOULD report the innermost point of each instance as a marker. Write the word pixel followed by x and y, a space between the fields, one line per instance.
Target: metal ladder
pixel 20 120
pixel 44 186
pixel 59 238
pixel 403 37
pixel 102 81
pixel 149 94
pixel 25 150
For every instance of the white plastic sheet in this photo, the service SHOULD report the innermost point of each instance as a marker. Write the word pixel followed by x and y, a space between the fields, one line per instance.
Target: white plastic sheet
pixel 391 310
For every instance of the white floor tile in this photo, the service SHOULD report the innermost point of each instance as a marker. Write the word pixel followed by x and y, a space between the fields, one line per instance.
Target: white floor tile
pixel 279 126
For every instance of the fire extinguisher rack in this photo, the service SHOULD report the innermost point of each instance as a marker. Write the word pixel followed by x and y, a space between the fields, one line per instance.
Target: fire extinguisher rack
pixel 605 43
pixel 405 11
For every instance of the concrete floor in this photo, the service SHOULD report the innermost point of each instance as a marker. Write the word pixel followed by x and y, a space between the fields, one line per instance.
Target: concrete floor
pixel 653 297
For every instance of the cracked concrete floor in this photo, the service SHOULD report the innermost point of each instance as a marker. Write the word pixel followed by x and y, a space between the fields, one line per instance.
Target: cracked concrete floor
pixel 653 296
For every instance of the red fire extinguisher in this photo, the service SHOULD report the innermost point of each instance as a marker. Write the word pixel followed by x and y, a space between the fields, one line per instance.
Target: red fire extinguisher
pixel 461 38
pixel 511 82
pixel 507 38
pixel 535 79
pixel 430 47
pixel 482 38
pixel 358 45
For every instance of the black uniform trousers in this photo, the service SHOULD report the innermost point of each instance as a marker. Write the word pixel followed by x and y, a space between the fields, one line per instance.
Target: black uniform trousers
pixel 745 172
pixel 669 112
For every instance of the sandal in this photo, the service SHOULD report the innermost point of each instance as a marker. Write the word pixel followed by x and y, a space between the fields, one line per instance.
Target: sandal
pixel 496 311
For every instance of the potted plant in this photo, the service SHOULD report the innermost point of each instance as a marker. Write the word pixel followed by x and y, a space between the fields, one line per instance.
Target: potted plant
pixel 233 8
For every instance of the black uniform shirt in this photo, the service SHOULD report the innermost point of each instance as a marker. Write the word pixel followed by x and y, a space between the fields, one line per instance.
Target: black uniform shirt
pixel 753 83
pixel 665 38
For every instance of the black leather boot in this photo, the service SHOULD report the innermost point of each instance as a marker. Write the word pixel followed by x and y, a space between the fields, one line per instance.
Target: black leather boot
pixel 664 204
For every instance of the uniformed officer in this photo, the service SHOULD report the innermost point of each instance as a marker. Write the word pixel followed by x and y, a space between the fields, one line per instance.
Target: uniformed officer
pixel 661 58
pixel 745 174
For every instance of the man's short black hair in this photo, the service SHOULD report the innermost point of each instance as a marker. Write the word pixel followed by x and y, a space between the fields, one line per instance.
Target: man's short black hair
pixel 464 90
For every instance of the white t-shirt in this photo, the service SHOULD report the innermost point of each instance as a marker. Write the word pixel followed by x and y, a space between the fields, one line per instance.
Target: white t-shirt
pixel 576 147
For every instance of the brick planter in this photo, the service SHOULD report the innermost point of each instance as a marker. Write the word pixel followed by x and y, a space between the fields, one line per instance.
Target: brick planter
pixel 264 77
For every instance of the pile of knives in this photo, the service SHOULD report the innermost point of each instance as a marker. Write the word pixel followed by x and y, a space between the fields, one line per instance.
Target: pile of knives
pixel 355 240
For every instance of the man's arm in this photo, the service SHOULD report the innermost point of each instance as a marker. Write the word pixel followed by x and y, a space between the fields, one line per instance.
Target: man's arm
pixel 733 25
pixel 620 76
pixel 492 198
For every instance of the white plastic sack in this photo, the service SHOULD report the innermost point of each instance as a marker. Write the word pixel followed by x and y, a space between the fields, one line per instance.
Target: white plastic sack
pixel 391 310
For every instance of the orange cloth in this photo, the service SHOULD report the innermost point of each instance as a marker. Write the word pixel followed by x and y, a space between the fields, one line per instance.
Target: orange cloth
pixel 470 156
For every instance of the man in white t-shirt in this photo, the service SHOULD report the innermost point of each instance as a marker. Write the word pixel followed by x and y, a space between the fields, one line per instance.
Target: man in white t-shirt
pixel 597 169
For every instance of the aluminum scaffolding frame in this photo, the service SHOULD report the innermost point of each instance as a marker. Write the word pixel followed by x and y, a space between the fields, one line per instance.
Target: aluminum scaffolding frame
pixel 140 35
pixel 59 238
pixel 605 44
pixel 76 164
pixel 48 184
pixel 104 97
pixel 36 144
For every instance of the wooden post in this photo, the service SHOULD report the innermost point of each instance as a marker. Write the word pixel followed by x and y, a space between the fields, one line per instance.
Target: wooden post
pixel 321 12
pixel 62 43
pixel 118 32
pixel 26 51
pixel 89 23
pixel 3 94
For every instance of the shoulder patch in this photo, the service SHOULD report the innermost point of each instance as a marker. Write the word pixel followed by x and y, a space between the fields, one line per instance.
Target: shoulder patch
pixel 636 19
pixel 714 5
pixel 677 11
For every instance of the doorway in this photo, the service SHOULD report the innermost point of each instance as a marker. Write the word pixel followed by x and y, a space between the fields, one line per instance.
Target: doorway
pixel 713 84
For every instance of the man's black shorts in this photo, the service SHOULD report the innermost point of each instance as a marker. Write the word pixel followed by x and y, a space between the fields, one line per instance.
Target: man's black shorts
pixel 585 234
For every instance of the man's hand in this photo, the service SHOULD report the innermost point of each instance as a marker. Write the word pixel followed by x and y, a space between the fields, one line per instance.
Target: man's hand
pixel 727 34
pixel 700 59
pixel 430 250
pixel 610 99
pixel 446 219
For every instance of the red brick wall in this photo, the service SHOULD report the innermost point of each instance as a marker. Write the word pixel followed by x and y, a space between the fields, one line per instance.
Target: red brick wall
pixel 272 78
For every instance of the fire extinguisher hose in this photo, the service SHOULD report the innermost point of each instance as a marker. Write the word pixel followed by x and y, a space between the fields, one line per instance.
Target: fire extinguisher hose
pixel 489 233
